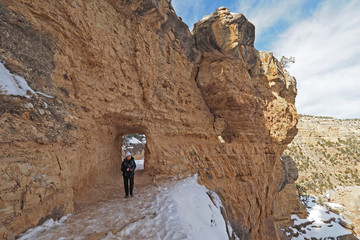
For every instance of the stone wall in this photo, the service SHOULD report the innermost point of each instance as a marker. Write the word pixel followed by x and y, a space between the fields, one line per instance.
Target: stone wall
pixel 118 67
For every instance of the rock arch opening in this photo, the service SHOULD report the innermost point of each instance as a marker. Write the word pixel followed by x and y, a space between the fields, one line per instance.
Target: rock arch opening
pixel 135 144
pixel 131 138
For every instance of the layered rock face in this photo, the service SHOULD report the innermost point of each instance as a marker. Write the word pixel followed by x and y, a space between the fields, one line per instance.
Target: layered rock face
pixel 313 129
pixel 326 151
pixel 109 68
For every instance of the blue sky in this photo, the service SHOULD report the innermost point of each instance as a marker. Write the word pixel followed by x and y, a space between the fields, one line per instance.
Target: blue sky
pixel 322 35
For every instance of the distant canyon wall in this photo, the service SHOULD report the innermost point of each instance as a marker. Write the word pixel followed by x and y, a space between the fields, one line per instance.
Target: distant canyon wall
pixel 327 153
pixel 101 69
pixel 312 129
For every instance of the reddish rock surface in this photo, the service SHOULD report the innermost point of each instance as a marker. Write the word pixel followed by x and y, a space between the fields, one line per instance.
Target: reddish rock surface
pixel 118 67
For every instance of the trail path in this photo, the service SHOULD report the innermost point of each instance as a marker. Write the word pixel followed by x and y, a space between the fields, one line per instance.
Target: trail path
pixel 169 210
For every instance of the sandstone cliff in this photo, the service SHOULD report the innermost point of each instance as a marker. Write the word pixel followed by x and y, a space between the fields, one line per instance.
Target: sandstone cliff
pixel 101 69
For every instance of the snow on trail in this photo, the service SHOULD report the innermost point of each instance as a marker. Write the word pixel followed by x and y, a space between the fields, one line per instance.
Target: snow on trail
pixel 173 210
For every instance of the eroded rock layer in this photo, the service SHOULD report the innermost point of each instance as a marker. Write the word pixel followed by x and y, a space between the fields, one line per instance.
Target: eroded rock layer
pixel 109 68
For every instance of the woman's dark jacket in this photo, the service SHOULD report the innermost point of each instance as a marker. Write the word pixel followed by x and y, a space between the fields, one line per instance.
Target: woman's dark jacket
pixel 128 164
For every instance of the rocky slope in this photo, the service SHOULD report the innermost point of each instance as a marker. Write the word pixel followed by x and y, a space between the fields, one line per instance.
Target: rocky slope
pixel 327 153
pixel 101 69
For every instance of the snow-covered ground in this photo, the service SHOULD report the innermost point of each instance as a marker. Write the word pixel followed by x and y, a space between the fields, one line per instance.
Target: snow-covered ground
pixel 134 140
pixel 180 209
pixel 176 209
pixel 139 164
pixel 319 224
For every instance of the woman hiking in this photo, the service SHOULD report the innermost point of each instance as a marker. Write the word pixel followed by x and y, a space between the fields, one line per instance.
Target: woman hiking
pixel 128 167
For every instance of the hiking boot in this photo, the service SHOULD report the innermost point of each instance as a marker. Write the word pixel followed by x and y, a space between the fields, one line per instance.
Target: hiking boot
pixel 126 196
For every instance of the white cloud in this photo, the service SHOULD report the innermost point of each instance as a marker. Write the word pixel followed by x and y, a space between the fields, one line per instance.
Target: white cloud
pixel 267 13
pixel 326 47
pixel 190 10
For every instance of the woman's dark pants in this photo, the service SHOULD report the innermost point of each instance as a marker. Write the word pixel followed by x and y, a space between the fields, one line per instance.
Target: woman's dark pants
pixel 128 178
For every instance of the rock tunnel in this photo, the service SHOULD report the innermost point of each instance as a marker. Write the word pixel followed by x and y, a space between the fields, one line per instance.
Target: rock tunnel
pixel 118 67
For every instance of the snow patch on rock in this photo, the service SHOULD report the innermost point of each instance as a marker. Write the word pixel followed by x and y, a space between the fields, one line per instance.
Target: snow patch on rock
pixel 12 84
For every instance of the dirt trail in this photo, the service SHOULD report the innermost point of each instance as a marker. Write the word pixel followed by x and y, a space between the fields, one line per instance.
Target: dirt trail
pixel 168 209
pixel 103 188
pixel 115 217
